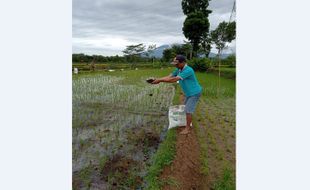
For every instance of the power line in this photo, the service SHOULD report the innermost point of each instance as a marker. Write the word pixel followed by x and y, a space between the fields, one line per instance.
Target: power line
pixel 232 11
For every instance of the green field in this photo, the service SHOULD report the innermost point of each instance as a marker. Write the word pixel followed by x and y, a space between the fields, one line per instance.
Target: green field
pixel 214 122
pixel 119 66
pixel 119 121
pixel 226 72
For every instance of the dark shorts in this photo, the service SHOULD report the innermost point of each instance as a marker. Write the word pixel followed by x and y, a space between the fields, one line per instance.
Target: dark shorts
pixel 191 103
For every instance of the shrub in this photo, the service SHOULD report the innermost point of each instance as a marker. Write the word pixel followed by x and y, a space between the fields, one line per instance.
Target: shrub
pixel 200 64
pixel 230 61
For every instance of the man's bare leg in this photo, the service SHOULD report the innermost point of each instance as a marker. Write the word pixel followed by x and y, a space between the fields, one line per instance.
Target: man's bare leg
pixel 188 124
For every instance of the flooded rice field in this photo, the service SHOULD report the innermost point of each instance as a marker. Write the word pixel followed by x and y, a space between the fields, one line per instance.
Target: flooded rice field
pixel 118 123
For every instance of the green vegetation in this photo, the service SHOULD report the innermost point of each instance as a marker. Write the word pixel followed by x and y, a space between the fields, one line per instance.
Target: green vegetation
pixel 171 182
pixel 226 182
pixel 83 59
pixel 85 176
pixel 119 66
pixel 196 24
pixel 209 84
pixel 229 73
pixel 223 34
pixel 163 157
pixel 132 53
pixel 111 109
pixel 230 61
pixel 203 145
pixel 103 160
pixel 96 82
pixel 118 107
pixel 178 92
pixel 200 64
pixel 214 124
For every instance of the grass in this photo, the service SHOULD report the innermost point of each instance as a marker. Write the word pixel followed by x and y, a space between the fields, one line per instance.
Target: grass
pixel 118 66
pixel 229 73
pixel 226 182
pixel 85 176
pixel 102 162
pixel 176 98
pixel 220 107
pixel 202 142
pixel 163 157
pixel 130 76
pixel 209 82
pixel 203 148
pixel 171 182
pixel 167 149
pixel 93 98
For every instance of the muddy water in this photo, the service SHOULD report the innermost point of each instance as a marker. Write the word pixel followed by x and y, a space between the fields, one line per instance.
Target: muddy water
pixel 116 130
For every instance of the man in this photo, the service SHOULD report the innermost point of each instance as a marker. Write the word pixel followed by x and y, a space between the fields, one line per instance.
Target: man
pixel 189 84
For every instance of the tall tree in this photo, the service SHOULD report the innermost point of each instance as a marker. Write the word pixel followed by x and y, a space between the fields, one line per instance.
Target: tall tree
pixel 206 43
pixel 196 23
pixel 168 54
pixel 177 49
pixel 150 49
pixel 223 34
pixel 191 6
pixel 133 51
pixel 194 27
pixel 188 49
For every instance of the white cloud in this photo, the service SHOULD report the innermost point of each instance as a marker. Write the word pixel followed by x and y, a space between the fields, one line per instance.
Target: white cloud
pixel 113 42
pixel 106 27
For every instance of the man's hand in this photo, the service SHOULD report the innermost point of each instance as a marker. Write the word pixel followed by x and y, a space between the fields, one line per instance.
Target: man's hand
pixel 156 81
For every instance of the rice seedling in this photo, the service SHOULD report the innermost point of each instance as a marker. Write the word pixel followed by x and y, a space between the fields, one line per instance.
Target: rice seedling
pixel 109 110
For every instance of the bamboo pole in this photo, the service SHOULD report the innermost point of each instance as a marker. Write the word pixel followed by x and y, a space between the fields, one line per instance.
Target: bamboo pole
pixel 219 74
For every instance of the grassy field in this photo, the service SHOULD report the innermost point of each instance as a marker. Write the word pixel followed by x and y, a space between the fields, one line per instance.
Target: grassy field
pixel 226 72
pixel 215 123
pixel 119 121
pixel 118 66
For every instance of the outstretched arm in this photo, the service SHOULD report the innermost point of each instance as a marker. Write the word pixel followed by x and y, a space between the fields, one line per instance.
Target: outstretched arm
pixel 168 79
pixel 165 78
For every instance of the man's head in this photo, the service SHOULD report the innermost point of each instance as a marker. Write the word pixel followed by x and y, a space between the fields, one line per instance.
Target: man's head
pixel 179 61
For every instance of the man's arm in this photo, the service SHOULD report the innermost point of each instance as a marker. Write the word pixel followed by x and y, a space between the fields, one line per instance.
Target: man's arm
pixel 165 78
pixel 169 79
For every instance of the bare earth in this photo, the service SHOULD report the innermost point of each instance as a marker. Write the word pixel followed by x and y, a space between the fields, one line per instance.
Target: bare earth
pixel 215 122
pixel 185 169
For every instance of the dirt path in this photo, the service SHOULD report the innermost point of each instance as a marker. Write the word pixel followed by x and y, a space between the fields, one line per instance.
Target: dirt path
pixel 215 122
pixel 184 172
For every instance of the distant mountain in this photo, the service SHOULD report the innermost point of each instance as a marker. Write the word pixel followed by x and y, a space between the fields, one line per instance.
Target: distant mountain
pixel 214 55
pixel 158 53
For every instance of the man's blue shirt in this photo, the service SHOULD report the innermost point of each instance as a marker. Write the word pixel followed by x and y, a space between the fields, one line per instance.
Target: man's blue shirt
pixel 188 82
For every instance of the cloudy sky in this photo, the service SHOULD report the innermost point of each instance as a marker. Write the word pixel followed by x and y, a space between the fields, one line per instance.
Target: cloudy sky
pixel 106 27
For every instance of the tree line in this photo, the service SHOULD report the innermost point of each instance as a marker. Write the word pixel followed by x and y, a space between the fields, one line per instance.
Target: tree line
pixel 83 58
